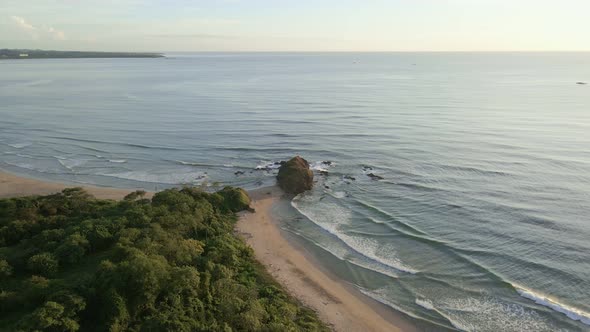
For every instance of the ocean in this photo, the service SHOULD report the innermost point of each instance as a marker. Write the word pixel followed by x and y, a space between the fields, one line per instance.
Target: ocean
pixel 480 223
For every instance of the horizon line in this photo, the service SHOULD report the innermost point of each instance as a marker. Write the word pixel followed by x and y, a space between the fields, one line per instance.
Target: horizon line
pixel 308 51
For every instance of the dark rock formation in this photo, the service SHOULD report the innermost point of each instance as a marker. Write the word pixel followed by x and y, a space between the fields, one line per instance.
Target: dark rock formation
pixel 375 177
pixel 349 177
pixel 295 176
pixel 581 83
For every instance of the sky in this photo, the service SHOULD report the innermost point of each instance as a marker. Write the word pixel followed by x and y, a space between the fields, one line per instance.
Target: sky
pixel 297 25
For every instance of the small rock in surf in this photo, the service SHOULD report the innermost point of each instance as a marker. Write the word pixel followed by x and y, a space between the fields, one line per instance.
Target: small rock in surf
pixel 375 177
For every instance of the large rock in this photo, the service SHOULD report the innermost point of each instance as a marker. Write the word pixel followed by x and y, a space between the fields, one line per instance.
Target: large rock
pixel 295 176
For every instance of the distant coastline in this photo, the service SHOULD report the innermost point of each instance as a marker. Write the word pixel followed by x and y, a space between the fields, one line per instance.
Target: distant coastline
pixel 23 54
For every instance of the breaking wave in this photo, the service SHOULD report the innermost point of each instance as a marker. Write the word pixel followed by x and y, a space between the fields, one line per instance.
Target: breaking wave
pixel 570 312
pixel 369 248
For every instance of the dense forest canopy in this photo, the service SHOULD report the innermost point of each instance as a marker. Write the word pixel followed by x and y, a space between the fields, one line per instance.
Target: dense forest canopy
pixel 70 262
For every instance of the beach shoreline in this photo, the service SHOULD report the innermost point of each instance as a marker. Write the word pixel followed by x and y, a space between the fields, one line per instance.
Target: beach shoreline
pixel 12 185
pixel 338 304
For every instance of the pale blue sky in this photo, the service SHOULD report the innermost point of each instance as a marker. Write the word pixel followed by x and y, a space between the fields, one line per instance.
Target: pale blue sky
pixel 302 25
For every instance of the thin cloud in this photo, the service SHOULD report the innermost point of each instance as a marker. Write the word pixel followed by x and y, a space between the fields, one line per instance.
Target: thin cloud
pixel 196 36
pixel 37 32
pixel 22 24
pixel 56 34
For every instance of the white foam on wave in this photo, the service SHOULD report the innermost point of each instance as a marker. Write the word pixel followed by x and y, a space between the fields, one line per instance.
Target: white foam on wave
pixel 346 254
pixel 570 312
pixel 268 165
pixel 187 163
pixel 190 163
pixel 71 163
pixel 330 217
pixel 376 251
pixel 174 178
pixel 24 165
pixel 455 322
pixel 484 313
pixel 321 166
pixel 36 83
pixel 20 145
pixel 118 161
pixel 130 96
pixel 25 156
pixel 377 267
pixel 378 296
pixel 491 314
pixel 426 304
pixel 339 194
pixel 318 166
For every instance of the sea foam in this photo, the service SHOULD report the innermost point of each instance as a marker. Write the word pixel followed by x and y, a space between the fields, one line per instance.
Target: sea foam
pixel 330 217
pixel 71 163
pixel 20 145
pixel 571 312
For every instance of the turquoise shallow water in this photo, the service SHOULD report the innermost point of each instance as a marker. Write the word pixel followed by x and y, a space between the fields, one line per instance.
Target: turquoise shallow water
pixel 481 222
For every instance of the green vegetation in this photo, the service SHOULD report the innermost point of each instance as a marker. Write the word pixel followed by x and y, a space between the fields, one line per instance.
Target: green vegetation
pixel 70 262
pixel 42 54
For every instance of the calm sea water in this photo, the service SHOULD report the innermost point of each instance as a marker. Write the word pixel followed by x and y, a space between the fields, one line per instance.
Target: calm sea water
pixel 482 220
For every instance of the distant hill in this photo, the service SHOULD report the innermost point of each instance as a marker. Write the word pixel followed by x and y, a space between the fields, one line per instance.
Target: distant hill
pixel 42 54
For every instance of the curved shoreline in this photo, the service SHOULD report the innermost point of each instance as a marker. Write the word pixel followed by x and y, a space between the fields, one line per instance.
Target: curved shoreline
pixel 12 185
pixel 335 302
pixel 338 304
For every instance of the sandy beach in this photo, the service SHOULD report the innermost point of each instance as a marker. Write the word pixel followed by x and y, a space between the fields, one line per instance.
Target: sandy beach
pixel 333 301
pixel 16 186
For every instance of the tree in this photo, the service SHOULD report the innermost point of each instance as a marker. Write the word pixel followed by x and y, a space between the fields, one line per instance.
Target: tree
pixel 5 269
pixel 113 311
pixel 135 195
pixel 171 264
pixel 43 264
pixel 141 279
pixel 235 199
pixel 52 316
pixel 185 252
pixel 73 249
